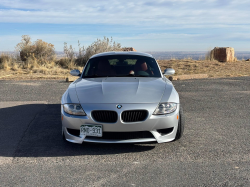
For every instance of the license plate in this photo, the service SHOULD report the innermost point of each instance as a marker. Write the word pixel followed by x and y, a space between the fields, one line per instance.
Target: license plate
pixel 91 130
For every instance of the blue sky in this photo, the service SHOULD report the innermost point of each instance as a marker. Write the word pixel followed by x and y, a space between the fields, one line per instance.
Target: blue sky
pixel 163 25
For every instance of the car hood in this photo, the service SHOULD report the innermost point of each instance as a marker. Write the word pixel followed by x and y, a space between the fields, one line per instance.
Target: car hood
pixel 121 90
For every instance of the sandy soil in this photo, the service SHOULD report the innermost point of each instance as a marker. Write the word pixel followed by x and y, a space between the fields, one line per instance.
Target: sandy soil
pixel 195 68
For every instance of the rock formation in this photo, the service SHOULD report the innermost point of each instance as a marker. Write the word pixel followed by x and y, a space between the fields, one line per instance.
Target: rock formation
pixel 128 49
pixel 223 54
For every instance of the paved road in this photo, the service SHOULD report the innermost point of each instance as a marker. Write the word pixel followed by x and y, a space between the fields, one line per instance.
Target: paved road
pixel 215 149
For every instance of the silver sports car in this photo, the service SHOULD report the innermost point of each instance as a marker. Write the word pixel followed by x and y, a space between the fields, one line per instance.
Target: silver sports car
pixel 121 97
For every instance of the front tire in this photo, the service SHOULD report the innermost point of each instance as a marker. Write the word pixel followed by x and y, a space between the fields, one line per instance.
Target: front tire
pixel 64 138
pixel 181 124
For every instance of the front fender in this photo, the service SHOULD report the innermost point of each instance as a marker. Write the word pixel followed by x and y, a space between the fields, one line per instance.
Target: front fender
pixel 170 94
pixel 70 95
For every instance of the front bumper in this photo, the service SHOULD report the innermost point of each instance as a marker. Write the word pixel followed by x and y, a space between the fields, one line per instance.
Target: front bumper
pixel 152 124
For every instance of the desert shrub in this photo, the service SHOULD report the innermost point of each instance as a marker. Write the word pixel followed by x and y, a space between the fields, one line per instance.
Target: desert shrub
pixel 4 58
pixel 44 51
pixel 97 46
pixel 209 55
pixel 80 56
pixel 70 56
pixel 4 61
pixel 8 61
pixel 62 62
pixel 30 63
pixel 80 59
pixel 69 52
pixel 66 63
pixel 39 50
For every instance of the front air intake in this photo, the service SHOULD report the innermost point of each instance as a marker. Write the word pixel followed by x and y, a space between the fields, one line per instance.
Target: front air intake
pixel 125 135
pixel 134 115
pixel 104 116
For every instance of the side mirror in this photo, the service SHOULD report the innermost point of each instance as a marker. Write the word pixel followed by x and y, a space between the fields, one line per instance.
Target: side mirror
pixel 75 72
pixel 169 71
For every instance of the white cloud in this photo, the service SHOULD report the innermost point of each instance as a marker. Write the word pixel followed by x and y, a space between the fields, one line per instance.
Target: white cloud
pixel 168 22
pixel 155 13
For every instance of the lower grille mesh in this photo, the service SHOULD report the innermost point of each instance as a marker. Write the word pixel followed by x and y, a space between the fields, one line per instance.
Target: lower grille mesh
pixel 126 135
pixel 117 135
pixel 73 132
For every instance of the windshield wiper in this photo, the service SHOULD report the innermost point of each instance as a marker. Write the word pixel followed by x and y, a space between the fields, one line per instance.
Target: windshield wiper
pixel 132 75
pixel 141 76
pixel 128 75
pixel 96 76
pixel 93 76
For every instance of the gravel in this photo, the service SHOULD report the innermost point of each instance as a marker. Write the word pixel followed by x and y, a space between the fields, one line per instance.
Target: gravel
pixel 214 151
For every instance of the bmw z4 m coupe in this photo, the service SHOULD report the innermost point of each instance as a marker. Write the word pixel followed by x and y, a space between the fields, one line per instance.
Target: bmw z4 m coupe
pixel 121 97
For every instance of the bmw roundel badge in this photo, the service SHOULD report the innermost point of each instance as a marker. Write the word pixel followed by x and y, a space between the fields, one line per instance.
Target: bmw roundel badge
pixel 119 106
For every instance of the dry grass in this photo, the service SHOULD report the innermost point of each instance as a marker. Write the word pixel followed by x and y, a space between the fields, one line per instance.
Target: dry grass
pixel 41 72
pixel 8 62
pixel 212 68
pixel 38 60
pixel 10 68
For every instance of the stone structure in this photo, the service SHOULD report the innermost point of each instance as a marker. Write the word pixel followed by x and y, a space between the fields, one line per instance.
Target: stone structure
pixel 128 49
pixel 223 54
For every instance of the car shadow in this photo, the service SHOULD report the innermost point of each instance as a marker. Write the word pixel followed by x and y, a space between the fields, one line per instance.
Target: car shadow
pixel 34 130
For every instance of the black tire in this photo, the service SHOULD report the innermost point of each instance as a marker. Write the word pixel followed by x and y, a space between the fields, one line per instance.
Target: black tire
pixel 63 137
pixel 181 124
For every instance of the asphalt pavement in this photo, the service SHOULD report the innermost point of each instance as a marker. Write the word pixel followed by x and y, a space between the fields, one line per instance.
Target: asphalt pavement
pixel 214 151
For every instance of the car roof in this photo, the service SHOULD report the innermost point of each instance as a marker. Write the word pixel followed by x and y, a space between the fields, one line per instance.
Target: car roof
pixel 121 53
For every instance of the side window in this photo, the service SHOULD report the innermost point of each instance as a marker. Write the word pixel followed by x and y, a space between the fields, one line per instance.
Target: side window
pixel 87 69
pixel 152 66
pixel 91 68
pixel 149 63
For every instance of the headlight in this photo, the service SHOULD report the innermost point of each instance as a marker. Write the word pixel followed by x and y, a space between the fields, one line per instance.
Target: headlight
pixel 74 109
pixel 165 108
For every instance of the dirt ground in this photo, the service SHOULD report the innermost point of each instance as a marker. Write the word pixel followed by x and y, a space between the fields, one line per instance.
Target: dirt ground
pixel 36 74
pixel 213 69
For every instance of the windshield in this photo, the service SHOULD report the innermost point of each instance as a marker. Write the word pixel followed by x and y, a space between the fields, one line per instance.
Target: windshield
pixel 121 66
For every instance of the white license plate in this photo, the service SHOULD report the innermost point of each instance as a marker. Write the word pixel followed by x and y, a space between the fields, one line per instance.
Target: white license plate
pixel 91 130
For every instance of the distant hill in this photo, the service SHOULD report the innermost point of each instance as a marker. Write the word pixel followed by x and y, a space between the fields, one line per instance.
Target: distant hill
pixel 161 55
pixel 195 55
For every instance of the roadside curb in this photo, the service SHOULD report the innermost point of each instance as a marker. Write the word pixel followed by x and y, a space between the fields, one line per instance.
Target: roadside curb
pixel 191 76
pixel 6 76
pixel 177 77
pixel 71 79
